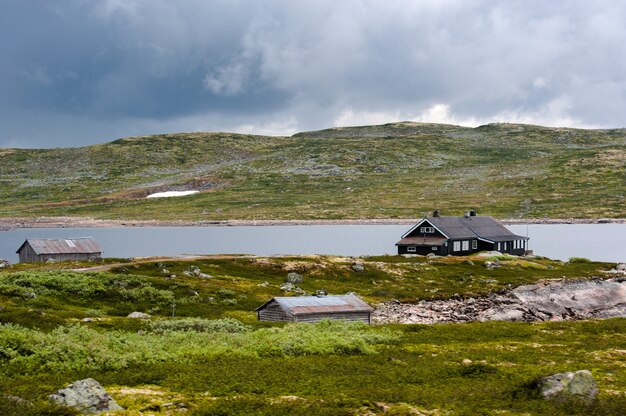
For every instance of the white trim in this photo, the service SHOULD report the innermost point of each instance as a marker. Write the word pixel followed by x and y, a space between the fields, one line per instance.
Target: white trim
pixel 411 249
pixel 420 223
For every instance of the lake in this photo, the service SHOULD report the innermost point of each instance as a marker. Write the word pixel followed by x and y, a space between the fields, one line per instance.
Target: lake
pixel 601 242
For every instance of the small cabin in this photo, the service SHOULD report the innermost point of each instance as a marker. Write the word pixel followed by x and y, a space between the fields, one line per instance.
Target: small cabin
pixel 460 236
pixel 315 308
pixel 59 249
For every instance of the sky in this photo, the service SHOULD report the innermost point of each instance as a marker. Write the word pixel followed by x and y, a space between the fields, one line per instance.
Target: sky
pixel 79 72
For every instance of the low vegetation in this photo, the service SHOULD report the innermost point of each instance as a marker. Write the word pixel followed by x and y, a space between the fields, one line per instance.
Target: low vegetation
pixel 399 170
pixel 216 359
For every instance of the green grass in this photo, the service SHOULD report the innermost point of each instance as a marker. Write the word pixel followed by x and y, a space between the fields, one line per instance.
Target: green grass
pixel 400 170
pixel 217 359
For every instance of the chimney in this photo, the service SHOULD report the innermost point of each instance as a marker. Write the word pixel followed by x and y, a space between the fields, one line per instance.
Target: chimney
pixel 472 213
pixel 436 213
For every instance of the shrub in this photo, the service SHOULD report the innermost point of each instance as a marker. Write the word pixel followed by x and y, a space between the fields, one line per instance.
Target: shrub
pixel 225 325
pixel 579 260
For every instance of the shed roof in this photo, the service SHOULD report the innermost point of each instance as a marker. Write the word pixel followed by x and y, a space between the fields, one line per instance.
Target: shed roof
pixel 303 305
pixel 486 228
pixel 82 245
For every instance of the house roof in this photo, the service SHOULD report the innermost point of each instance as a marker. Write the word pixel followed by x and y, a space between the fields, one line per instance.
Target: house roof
pixel 82 245
pixel 421 241
pixel 458 228
pixel 304 305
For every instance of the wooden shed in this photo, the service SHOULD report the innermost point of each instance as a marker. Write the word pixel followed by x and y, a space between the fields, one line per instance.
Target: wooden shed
pixel 315 308
pixel 59 249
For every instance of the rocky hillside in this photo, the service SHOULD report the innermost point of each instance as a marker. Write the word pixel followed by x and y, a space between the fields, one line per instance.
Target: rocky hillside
pixel 399 170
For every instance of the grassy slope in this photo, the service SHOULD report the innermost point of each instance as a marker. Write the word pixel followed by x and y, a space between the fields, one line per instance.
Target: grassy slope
pixel 399 170
pixel 327 368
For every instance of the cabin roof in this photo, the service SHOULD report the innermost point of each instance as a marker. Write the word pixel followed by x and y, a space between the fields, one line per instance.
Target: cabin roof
pixel 82 245
pixel 467 227
pixel 303 305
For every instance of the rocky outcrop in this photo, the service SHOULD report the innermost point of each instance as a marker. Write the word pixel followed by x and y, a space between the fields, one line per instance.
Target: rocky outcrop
pixel 139 315
pixel 87 396
pixel 575 385
pixel 548 301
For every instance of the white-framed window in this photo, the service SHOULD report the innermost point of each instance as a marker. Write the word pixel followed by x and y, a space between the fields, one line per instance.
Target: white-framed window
pixel 465 245
pixel 434 248
pixel 427 230
pixel 456 246
pixel 498 247
pixel 411 249
pixel 474 244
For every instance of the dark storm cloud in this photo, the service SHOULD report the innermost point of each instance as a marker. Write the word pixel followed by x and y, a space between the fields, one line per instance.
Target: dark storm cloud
pixel 76 72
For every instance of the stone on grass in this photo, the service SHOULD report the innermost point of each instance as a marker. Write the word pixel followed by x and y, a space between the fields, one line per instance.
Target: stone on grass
pixel 4 264
pixel 87 396
pixel 294 278
pixel 576 385
pixel 357 267
pixel 139 315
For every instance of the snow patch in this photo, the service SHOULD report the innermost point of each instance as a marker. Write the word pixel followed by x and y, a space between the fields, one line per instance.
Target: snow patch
pixel 169 194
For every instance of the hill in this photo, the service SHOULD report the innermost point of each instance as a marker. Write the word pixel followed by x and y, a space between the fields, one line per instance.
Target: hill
pixel 398 170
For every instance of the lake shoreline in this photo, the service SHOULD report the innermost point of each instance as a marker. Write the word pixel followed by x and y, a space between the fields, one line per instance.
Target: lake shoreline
pixel 12 223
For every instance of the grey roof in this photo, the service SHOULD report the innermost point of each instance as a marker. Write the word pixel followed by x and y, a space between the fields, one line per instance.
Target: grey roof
pixel 486 228
pixel 303 305
pixel 82 245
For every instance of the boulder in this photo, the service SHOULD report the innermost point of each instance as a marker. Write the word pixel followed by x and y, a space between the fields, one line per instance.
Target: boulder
pixel 4 264
pixel 87 396
pixel 357 267
pixel 576 385
pixel 139 315
pixel 294 278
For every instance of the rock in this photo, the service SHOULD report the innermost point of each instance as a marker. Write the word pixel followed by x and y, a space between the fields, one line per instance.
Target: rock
pixel 294 278
pixel 492 264
pixel 139 315
pixel 357 267
pixel 87 320
pixel 165 271
pixel 321 292
pixel 264 284
pixel 87 396
pixel 620 267
pixel 195 271
pixel 287 287
pixel 577 385
pixel 4 264
pixel 466 361
pixel 431 255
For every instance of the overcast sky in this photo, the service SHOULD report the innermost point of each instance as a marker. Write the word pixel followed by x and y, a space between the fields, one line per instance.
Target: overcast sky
pixel 78 72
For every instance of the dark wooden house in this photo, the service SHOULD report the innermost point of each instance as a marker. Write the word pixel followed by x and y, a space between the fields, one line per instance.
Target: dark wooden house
pixel 59 249
pixel 460 236
pixel 314 309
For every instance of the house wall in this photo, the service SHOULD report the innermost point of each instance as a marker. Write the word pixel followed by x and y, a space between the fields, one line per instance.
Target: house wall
pixel 423 250
pixel 418 233
pixel 27 254
pixel 347 316
pixel 273 312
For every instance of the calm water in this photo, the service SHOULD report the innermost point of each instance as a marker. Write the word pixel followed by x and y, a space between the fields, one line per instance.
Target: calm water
pixel 602 242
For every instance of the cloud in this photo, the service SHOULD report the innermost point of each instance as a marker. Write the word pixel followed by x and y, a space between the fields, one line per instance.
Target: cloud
pixel 117 67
